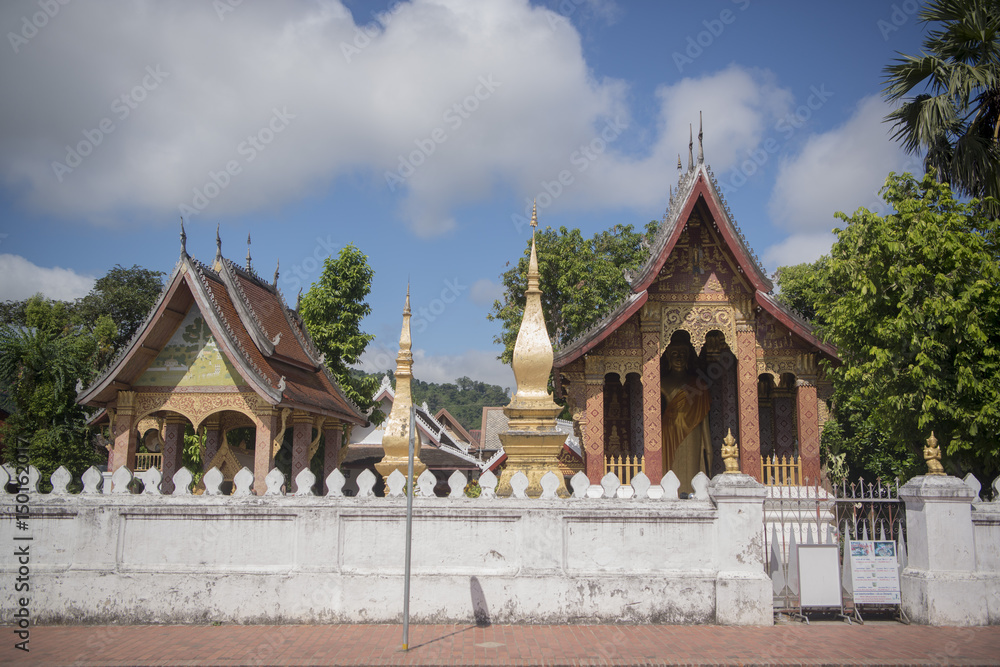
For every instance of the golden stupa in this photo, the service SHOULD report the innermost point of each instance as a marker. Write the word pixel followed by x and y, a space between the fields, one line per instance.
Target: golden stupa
pixel 396 441
pixel 531 440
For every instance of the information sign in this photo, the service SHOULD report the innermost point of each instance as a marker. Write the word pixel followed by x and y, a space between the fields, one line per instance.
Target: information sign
pixel 874 572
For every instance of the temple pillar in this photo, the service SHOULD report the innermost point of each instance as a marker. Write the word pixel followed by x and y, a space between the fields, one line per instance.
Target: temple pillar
pixel 173 450
pixel 749 407
pixel 808 431
pixel 213 439
pixel 124 433
pixel 332 437
pixel 652 433
pixel 593 435
pixel 263 456
pixel 301 437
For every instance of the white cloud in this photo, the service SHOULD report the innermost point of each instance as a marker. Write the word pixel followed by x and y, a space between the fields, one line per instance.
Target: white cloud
pixel 254 108
pixel 22 279
pixel 481 365
pixel 484 292
pixel 839 170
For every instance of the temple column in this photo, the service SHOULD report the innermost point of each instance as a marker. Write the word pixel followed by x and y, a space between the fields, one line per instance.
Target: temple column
pixel 123 432
pixel 749 407
pixel 173 450
pixel 652 433
pixel 332 437
pixel 593 434
pixel 808 428
pixel 213 439
pixel 263 456
pixel 301 437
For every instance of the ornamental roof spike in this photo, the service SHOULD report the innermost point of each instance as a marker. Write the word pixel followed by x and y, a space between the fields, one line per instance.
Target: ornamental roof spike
pixel 248 252
pixel 701 147
pixel 218 244
pixel 690 147
pixel 184 239
pixel 277 266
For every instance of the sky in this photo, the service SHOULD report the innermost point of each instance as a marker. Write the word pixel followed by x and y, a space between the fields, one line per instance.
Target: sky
pixel 420 132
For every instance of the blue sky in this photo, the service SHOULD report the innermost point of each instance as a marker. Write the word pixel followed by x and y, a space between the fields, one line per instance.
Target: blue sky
pixel 420 132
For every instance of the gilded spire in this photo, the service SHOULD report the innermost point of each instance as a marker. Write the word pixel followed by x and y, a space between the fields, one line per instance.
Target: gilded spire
pixel 248 251
pixel 395 441
pixel 533 355
pixel 701 147
pixel 184 239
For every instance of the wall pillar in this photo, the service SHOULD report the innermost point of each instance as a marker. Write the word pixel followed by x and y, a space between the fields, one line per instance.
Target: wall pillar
pixel 749 407
pixel 593 435
pixel 652 433
pixel 939 585
pixel 301 438
pixel 743 591
pixel 263 457
pixel 173 450
pixel 332 437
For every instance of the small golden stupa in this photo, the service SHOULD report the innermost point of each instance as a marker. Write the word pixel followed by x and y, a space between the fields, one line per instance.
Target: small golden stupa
pixel 396 441
pixel 531 440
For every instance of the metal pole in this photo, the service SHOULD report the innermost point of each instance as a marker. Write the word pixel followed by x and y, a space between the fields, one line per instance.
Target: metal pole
pixel 409 533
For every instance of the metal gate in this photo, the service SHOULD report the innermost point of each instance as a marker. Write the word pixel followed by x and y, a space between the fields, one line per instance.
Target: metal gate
pixel 799 515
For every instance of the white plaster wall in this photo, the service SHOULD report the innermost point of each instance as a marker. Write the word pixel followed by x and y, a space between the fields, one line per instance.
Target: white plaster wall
pixel 986 525
pixel 280 559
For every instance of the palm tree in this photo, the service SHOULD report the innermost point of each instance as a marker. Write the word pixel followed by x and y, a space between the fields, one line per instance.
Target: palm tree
pixel 957 119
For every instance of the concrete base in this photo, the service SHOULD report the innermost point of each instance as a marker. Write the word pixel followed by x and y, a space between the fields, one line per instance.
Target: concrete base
pixel 944 598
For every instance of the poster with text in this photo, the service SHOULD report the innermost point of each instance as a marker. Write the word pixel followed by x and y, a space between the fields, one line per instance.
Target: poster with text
pixel 874 571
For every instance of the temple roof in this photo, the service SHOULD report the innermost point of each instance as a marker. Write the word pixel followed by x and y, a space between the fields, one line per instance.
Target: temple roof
pixel 696 187
pixel 265 340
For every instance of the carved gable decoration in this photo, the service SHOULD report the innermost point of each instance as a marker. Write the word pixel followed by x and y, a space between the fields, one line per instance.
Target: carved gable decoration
pixel 191 358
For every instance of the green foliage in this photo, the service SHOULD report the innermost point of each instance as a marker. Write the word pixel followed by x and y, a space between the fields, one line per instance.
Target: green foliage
pixel 465 399
pixel 957 120
pixel 123 295
pixel 332 310
pixel 802 286
pixel 913 306
pixel 472 489
pixel 581 280
pixel 191 455
pixel 40 365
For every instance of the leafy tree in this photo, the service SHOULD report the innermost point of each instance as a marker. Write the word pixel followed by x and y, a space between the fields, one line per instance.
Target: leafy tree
pixel 125 295
pixel 912 302
pixel 957 121
pixel 801 286
pixel 332 310
pixel 581 280
pixel 465 399
pixel 41 364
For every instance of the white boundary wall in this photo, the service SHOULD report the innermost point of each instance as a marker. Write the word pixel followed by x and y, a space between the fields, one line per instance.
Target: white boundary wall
pixel 125 558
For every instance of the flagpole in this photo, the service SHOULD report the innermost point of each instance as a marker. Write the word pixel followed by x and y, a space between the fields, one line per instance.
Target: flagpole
pixel 409 533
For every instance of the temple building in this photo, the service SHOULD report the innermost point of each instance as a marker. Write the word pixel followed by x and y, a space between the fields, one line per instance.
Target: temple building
pixel 699 346
pixel 220 350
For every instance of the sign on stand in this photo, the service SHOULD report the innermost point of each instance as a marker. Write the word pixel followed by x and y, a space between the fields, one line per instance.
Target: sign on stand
pixel 874 572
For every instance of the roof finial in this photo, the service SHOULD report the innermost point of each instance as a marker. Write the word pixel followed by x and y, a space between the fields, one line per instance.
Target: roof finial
pixel 298 301
pixel 690 147
pixel 276 267
pixel 679 165
pixel 248 251
pixel 701 148
pixel 218 244
pixel 184 239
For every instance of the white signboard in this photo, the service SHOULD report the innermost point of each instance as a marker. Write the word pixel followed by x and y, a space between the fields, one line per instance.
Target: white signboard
pixel 819 575
pixel 874 572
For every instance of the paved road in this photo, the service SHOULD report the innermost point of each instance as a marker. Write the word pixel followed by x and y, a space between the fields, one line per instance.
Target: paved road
pixel 827 643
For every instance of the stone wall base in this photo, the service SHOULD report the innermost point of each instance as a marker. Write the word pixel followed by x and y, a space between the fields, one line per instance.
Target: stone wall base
pixel 949 598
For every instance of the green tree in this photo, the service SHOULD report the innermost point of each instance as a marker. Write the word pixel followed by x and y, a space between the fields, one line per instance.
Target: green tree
pixel 41 364
pixel 332 310
pixel 581 280
pixel 913 305
pixel 801 287
pixel 124 295
pixel 956 121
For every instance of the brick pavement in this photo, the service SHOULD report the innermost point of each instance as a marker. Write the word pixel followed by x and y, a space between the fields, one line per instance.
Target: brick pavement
pixel 828 643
